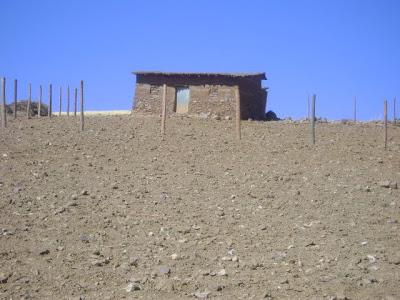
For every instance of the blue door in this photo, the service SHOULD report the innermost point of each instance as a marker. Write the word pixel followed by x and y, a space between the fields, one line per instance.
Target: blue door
pixel 182 100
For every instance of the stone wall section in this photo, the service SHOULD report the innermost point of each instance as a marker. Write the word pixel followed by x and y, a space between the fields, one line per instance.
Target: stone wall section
pixel 207 96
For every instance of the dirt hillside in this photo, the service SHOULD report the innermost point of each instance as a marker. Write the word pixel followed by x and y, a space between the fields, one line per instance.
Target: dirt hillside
pixel 116 213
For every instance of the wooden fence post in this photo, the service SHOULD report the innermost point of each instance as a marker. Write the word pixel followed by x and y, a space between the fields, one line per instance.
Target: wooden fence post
pixel 40 101
pixel 163 110
pixel 76 101
pixel 3 103
pixel 82 113
pixel 50 108
pixel 355 109
pixel 308 107
pixel 68 101
pixel 28 107
pixel 15 97
pixel 394 110
pixel 385 120
pixel 313 119
pixel 59 112
pixel 238 114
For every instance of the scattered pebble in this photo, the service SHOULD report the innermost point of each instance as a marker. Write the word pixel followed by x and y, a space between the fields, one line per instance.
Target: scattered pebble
pixel 44 252
pixel 164 270
pixel 4 277
pixel 222 272
pixel 202 295
pixel 132 287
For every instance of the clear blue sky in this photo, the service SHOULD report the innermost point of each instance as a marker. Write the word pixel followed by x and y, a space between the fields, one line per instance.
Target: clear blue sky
pixel 336 49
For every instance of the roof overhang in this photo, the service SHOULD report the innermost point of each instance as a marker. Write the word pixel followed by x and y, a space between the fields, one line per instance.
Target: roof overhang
pixel 260 76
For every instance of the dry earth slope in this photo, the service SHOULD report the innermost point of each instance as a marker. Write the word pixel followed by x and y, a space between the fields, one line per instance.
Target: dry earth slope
pixel 116 213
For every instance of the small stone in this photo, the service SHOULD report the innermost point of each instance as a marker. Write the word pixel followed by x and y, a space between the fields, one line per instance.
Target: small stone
pixel 85 193
pixel 17 189
pixel 226 258
pixel 44 252
pixel 370 280
pixel 163 196
pixel 284 281
pixel 59 211
pixel 84 238
pixel 235 258
pixel 100 262
pixel 4 277
pixel 204 115
pixel 384 183
pixel 125 267
pixel 394 260
pixel 267 295
pixel 74 197
pixel 364 243
pixel 114 186
pixel 174 256
pixel 164 270
pixel 372 258
pixel 222 272
pixel 227 118
pixel 134 261
pixel 150 233
pixel 220 213
pixel 132 287
pixel 202 295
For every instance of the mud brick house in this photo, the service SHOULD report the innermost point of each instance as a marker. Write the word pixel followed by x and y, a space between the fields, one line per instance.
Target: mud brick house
pixel 201 93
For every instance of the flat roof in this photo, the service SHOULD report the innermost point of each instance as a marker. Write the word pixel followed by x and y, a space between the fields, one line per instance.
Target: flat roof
pixel 202 74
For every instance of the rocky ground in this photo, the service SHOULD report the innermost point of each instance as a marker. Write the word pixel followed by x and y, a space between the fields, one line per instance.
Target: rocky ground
pixel 116 213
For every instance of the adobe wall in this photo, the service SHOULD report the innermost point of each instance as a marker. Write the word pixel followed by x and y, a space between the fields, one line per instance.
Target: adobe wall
pixel 215 96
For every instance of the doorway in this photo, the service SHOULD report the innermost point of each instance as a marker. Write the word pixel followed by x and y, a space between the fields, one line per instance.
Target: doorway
pixel 182 99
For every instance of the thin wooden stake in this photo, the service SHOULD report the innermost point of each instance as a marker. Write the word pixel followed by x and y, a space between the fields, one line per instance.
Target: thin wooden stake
pixel 40 101
pixel 15 97
pixel 313 119
pixel 163 110
pixel 238 114
pixel 59 112
pixel 394 110
pixel 355 109
pixel 385 118
pixel 28 107
pixel 68 101
pixel 3 103
pixel 82 113
pixel 50 108
pixel 76 101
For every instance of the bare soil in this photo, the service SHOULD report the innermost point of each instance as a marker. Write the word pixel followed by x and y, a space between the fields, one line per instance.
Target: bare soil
pixel 91 215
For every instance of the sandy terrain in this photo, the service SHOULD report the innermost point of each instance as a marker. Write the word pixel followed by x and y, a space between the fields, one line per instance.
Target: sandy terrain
pixel 116 213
